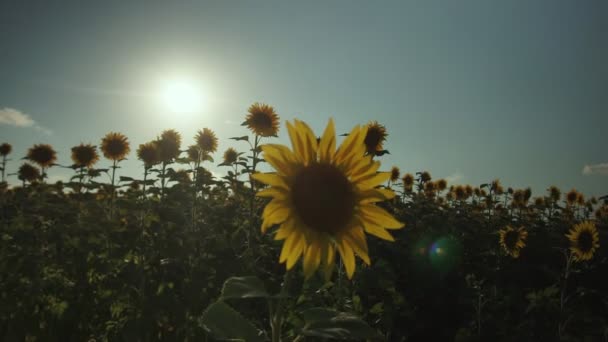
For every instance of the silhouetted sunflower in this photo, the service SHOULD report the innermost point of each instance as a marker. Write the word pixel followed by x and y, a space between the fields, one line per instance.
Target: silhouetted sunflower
pixel 115 146
pixel 429 187
pixel 206 140
pixel 554 193
pixel 441 184
pixel 28 173
pixel 584 240
pixel 324 198
pixel 539 201
pixel 513 240
pixel 84 155
pixel 580 199
pixel 425 176
pixel 230 156
pixel 169 145
pixel 42 154
pixel 408 179
pixel 149 154
pixel 395 174
pixel 460 193
pixel 571 196
pixel 5 149
pixel 376 135
pixel 262 120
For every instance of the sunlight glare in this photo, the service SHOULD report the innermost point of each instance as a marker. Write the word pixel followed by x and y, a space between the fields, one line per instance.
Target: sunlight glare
pixel 182 96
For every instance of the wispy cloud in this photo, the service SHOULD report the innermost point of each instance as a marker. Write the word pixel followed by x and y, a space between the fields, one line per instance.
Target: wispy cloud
pixel 596 169
pixel 455 177
pixel 13 117
pixel 17 118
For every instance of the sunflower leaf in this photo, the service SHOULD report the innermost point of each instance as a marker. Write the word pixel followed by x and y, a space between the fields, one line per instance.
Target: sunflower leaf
pixel 227 324
pixel 331 324
pixel 243 138
pixel 244 287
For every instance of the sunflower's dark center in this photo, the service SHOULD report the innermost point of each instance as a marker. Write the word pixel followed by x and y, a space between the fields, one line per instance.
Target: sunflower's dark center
pixel 43 156
pixel 585 241
pixel 323 198
pixel 511 239
pixel 116 147
pixel 261 120
pixel 85 157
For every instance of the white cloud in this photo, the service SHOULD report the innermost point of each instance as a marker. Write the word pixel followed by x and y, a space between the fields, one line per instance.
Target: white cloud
pixel 597 169
pixel 453 178
pixel 13 117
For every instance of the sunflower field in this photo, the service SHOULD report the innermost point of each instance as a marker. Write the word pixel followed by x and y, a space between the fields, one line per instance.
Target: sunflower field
pixel 329 245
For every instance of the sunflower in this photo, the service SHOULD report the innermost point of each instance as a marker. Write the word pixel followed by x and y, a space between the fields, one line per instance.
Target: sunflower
pixel 513 240
pixel 5 149
pixel 584 240
pixel 28 173
pixel 84 155
pixel 408 180
pixel 441 184
pixel 376 135
pixel 460 193
pixel 425 176
pixel 230 156
pixel 42 154
pixel 168 145
pixel 206 140
pixel 149 154
pixel 115 146
pixel 394 174
pixel 324 198
pixel 554 193
pixel 262 120
pixel 571 196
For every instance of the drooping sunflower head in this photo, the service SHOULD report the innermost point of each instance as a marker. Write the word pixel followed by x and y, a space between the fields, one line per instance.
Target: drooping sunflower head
pixel 468 189
pixel 28 173
pixel 395 174
pixel 230 156
pixel 149 154
pixel 84 155
pixel 518 198
pixel 262 120
pixel 324 198
pixel 539 201
pixel 512 240
pixel 169 144
pixel 584 240
pixel 42 154
pixel 5 149
pixel 206 140
pixel 115 146
pixel 376 135
pixel 460 193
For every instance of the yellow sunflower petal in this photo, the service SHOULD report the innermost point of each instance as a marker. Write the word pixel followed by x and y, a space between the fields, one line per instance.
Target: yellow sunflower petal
pixel 374 180
pixel 327 146
pixel 275 212
pixel 379 232
pixel 352 145
pixel 271 179
pixel 375 195
pixel 309 142
pixel 296 142
pixel 292 244
pixel 348 257
pixel 280 158
pixel 277 193
pixel 355 237
pixel 380 217
pixel 286 229
pixel 312 258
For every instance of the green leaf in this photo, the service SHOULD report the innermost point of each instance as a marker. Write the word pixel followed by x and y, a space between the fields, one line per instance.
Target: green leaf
pixel 225 323
pixel 125 179
pixel 244 287
pixel 326 323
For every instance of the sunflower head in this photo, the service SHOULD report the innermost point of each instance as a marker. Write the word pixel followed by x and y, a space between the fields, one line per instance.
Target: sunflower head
pixel 442 184
pixel 512 240
pixel 42 154
pixel 115 146
pixel 429 187
pixel 554 193
pixel 408 180
pixel 84 155
pixel 230 156
pixel 28 173
pixel 580 199
pixel 460 193
pixel 425 176
pixel 477 192
pixel 571 196
pixel 169 144
pixel 395 174
pixel 324 198
pixel 206 140
pixel 262 120
pixel 376 135
pixel 518 198
pixel 468 190
pixel 5 149
pixel 584 240
pixel 149 154
pixel 539 201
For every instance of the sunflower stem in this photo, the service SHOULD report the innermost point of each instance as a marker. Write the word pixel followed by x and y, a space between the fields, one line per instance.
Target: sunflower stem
pixel 562 297
pixel 3 167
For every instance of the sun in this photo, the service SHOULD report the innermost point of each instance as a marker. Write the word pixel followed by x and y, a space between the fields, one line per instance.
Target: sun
pixel 182 96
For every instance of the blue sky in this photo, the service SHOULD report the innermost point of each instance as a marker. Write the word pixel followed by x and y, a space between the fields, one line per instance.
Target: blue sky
pixel 469 90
